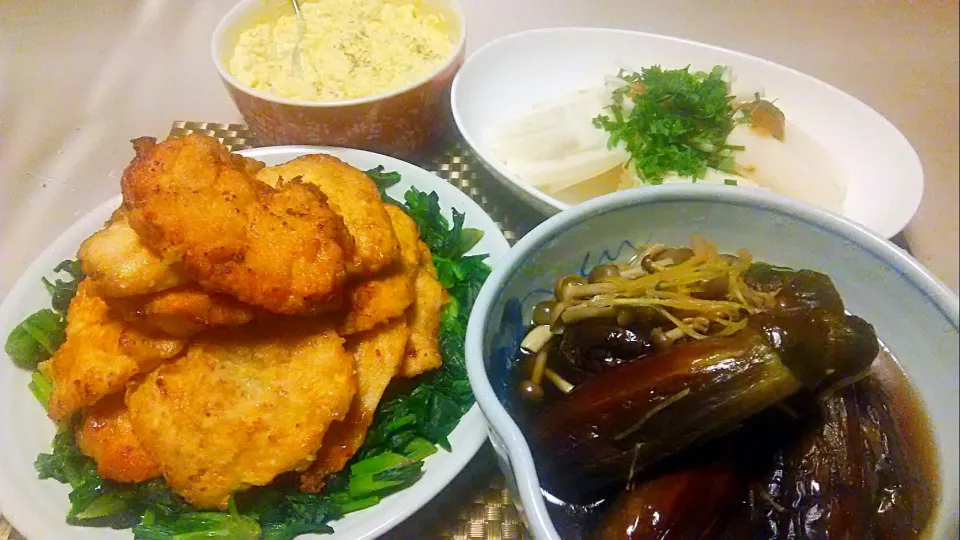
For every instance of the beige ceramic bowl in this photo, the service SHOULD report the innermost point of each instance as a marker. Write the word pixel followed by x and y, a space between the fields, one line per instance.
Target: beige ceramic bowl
pixel 403 122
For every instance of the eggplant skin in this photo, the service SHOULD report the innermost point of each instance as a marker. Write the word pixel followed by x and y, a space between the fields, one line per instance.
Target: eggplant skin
pixel 630 416
pixel 819 346
pixel 591 347
pixel 688 504
pixel 798 289
pixel 594 436
pixel 847 477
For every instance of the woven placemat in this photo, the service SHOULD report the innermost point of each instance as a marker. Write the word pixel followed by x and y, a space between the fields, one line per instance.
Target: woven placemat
pixel 476 505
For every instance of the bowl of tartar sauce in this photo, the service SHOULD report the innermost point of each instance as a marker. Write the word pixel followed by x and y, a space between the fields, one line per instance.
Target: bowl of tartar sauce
pixel 371 74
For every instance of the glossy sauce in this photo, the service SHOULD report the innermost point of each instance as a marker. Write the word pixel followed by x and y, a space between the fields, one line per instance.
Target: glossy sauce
pixel 913 424
pixel 762 451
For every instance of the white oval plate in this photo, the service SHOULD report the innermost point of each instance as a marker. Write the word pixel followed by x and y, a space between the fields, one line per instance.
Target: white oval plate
pixel 508 76
pixel 37 508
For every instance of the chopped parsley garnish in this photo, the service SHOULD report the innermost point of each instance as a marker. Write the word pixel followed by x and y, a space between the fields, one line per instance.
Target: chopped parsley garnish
pixel 671 121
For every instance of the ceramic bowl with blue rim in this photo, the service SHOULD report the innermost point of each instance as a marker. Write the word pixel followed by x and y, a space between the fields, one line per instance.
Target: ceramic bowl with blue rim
pixel 914 314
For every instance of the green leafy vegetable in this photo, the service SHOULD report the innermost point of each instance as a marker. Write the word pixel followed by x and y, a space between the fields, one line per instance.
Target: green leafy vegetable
pixel 445 242
pixel 159 500
pixel 365 485
pixel 39 335
pixel 384 180
pixel 36 338
pixel 66 464
pixel 93 500
pixel 284 514
pixel 671 120
pixel 62 291
pixel 407 427
pixel 41 388
pixel 196 525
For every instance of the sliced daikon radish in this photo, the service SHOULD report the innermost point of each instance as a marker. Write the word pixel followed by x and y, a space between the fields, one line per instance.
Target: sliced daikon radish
pixel 628 179
pixel 556 145
pixel 606 182
pixel 797 167
pixel 560 173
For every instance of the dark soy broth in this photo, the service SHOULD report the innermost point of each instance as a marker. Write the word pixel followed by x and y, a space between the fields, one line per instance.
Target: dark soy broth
pixel 905 488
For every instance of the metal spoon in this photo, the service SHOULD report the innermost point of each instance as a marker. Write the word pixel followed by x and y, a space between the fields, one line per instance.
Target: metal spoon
pixel 301 30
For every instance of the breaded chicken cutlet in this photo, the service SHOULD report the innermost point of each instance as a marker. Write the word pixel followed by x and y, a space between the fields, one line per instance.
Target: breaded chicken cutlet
pixel 100 355
pixel 423 318
pixel 377 354
pixel 281 248
pixel 371 302
pixel 355 198
pixel 182 311
pixel 205 344
pixel 118 264
pixel 149 292
pixel 106 435
pixel 242 406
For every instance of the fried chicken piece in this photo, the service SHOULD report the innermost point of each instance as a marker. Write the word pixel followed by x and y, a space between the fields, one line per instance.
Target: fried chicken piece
pixel 149 292
pixel 423 347
pixel 118 263
pixel 426 260
pixel 355 198
pixel 106 435
pixel 101 353
pixel 183 311
pixel 280 248
pixel 242 406
pixel 371 302
pixel 377 354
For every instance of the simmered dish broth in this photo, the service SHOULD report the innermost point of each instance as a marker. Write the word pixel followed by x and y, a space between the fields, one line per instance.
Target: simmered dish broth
pixel 693 394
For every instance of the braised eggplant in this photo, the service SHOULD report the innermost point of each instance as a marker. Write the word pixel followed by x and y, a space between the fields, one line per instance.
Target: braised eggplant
pixel 692 394
pixel 848 477
pixel 796 289
pixel 690 503
pixel 629 417
pixel 591 347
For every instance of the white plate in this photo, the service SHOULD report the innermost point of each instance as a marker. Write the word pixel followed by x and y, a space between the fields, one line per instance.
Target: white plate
pixel 506 77
pixel 37 508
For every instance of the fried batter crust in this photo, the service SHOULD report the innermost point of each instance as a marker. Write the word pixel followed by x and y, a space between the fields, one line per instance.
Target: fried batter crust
pixel 355 198
pixel 118 263
pixel 182 311
pixel 106 435
pixel 377 354
pixel 371 302
pixel 423 348
pixel 100 355
pixel 242 406
pixel 280 248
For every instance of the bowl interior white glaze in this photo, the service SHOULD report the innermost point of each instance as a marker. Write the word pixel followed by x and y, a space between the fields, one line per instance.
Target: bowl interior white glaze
pixel 507 77
pixel 914 314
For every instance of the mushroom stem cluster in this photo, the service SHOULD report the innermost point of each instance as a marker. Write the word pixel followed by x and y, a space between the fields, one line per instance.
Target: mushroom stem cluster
pixel 695 291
